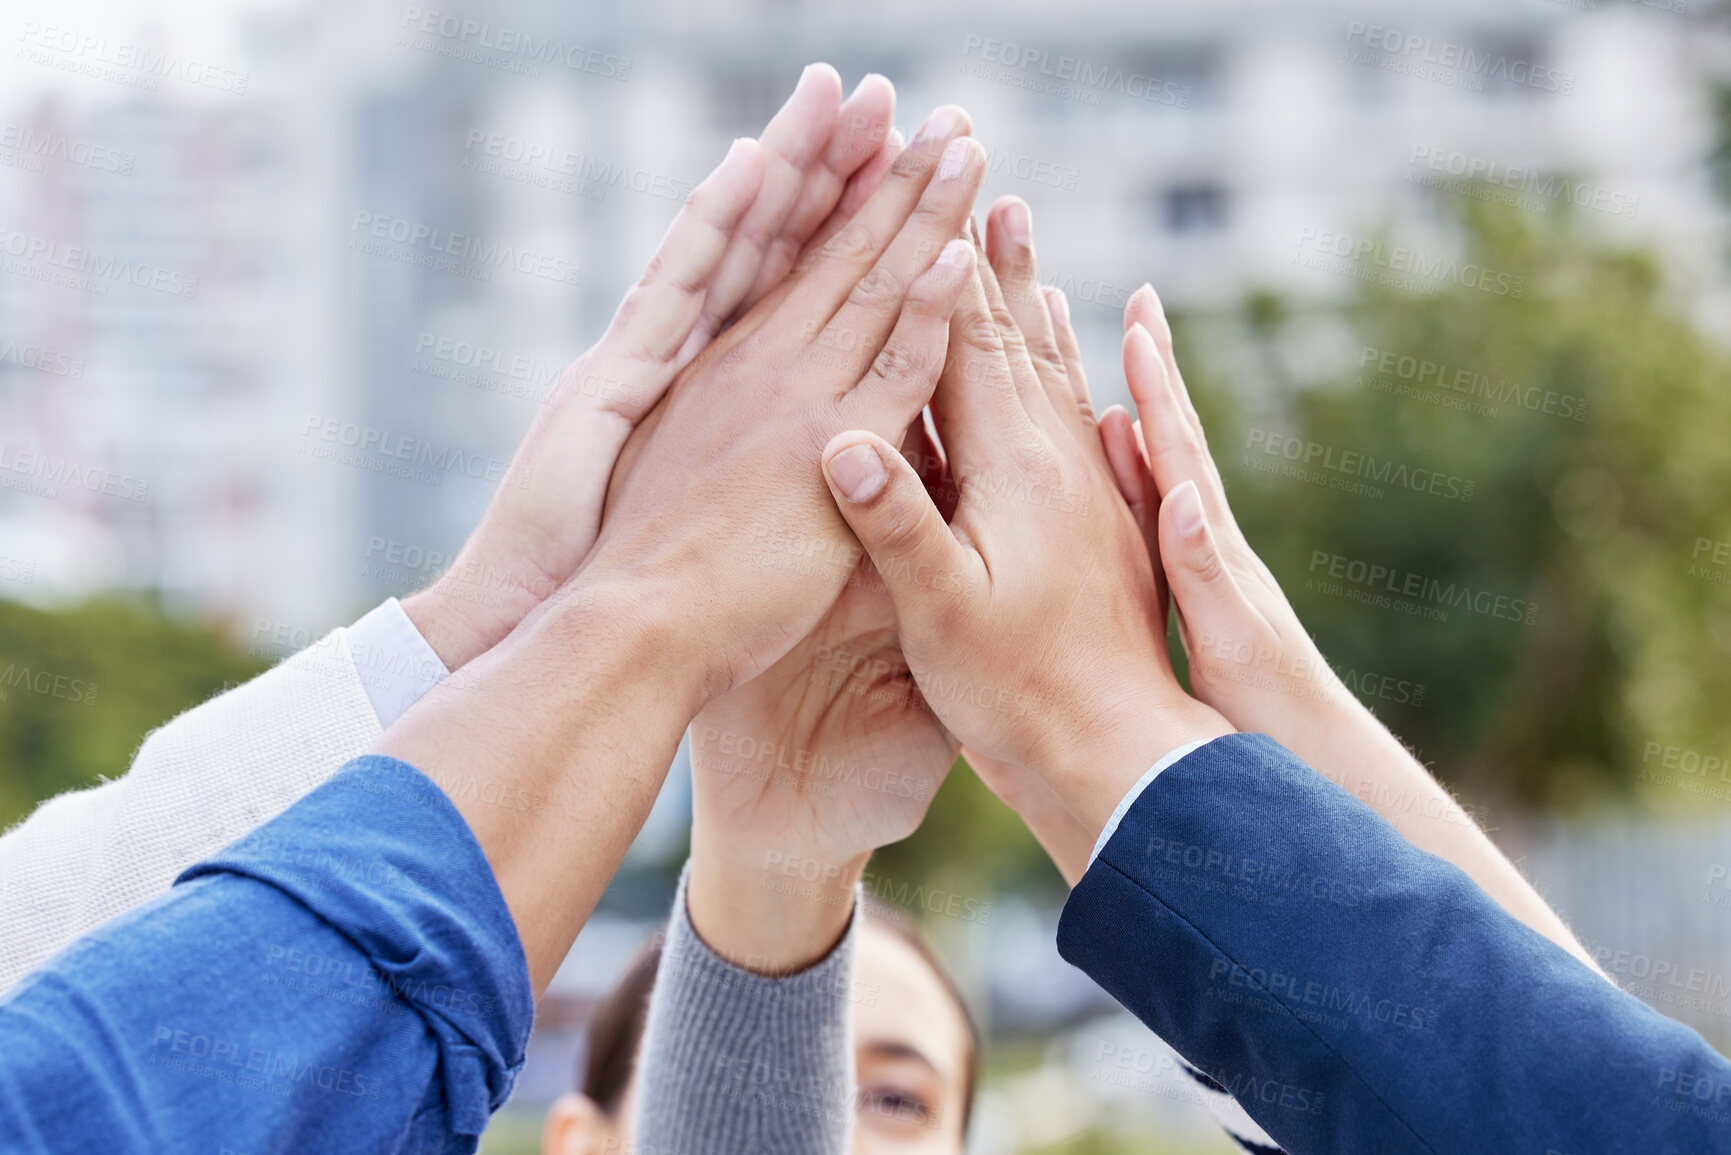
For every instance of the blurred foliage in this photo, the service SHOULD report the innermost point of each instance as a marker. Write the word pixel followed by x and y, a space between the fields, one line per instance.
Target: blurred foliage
pixel 1596 520
pixel 80 689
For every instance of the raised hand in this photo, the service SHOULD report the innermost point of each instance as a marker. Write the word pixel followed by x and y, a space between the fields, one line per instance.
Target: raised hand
pixel 717 509
pixel 800 773
pixel 1250 656
pixel 1029 621
pixel 733 241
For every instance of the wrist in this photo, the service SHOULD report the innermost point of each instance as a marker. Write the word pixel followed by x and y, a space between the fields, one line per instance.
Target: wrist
pixel 771 909
pixel 1091 776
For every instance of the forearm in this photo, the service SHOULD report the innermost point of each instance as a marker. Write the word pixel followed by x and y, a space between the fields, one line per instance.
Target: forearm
pixel 198 782
pixel 553 747
pixel 345 979
pixel 1360 755
pixel 1331 976
pixel 736 1062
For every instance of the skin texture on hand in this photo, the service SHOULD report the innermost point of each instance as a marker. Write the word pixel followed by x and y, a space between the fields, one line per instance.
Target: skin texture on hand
pixel 1250 656
pixel 1028 619
pixel 717 501
pixel 575 716
pixel 800 773
pixel 732 242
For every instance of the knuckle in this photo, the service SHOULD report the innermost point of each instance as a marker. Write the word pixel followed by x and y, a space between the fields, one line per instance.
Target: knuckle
pixel 852 242
pixel 978 331
pixel 876 289
pixel 896 362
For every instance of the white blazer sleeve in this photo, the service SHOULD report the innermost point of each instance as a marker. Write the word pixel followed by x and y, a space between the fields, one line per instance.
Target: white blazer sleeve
pixel 197 784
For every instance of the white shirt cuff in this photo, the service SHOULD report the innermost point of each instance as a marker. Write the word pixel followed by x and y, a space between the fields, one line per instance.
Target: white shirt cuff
pixel 396 665
pixel 1136 792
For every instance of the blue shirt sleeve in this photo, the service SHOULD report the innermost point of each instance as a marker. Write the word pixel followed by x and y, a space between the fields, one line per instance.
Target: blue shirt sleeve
pixel 1354 993
pixel 347 978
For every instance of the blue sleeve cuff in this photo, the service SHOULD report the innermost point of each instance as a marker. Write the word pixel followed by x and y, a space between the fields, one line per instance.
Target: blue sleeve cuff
pixel 396 665
pixel 1135 792
pixel 382 856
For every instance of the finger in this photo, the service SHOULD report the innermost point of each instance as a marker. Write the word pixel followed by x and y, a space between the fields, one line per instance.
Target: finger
pixel 855 248
pixel 1059 306
pixel 649 338
pixel 1010 247
pixel 1176 450
pixel 873 305
pixel 905 371
pixel 1208 597
pixel 923 452
pixel 794 141
pixel 1122 443
pixel 883 501
pixel 859 189
pixel 975 407
pixel 1029 386
pixel 862 127
pixel 1145 309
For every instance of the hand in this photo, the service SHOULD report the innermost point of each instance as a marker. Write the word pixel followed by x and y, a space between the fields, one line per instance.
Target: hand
pixel 800 773
pixel 731 243
pixel 1029 620
pixel 1250 656
pixel 716 510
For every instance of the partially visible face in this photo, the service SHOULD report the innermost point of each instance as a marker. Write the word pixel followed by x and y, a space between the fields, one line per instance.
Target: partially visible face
pixel 911 1049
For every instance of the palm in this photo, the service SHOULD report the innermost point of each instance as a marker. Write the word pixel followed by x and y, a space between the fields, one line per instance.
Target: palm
pixel 855 755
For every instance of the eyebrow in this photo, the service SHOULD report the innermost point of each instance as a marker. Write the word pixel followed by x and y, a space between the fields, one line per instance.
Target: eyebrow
pixel 895 1050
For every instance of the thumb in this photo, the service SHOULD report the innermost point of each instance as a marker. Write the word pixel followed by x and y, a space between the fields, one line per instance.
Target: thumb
pixel 886 505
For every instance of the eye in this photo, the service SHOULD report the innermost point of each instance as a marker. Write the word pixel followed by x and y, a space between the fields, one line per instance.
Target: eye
pixel 894 1103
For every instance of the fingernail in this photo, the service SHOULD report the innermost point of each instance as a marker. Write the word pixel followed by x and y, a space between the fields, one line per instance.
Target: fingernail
pixel 943 122
pixel 1140 334
pixel 956 156
pixel 958 254
pixel 897 140
pixel 1059 305
pixel 1018 224
pixel 1186 509
pixel 739 142
pixel 858 472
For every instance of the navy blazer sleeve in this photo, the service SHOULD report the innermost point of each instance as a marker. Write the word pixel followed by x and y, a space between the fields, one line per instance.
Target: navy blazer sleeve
pixel 1359 995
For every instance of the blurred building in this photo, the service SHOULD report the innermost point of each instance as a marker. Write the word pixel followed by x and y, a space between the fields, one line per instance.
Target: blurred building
pixel 306 400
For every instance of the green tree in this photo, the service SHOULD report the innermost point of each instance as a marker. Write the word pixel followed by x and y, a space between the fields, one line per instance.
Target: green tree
pixel 80 689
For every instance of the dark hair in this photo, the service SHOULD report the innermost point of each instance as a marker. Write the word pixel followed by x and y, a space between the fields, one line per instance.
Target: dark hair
pixel 616 1028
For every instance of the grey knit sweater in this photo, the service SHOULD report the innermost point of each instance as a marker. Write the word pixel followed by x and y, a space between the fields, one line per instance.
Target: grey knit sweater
pixel 738 1063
